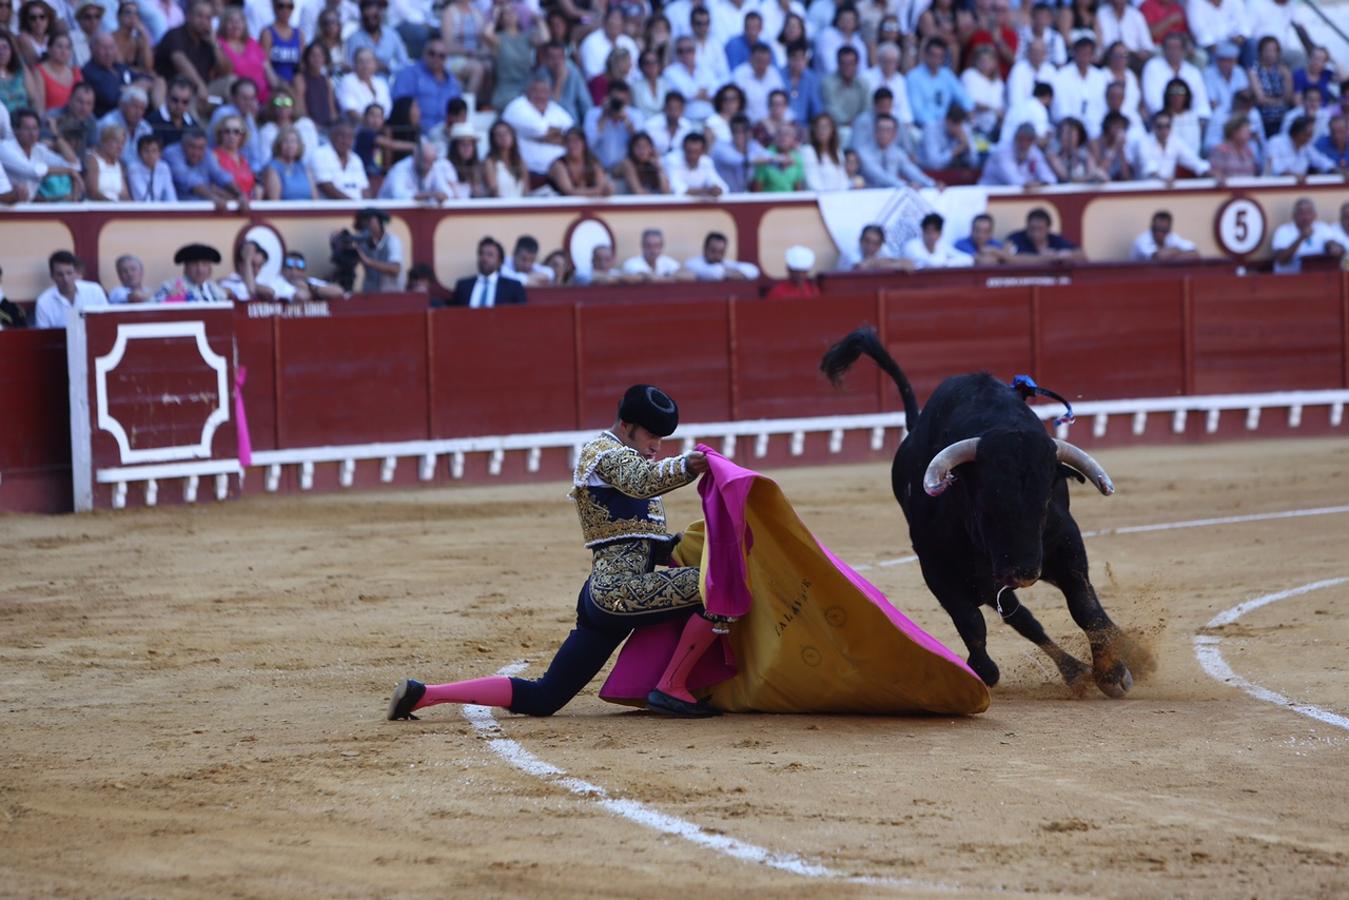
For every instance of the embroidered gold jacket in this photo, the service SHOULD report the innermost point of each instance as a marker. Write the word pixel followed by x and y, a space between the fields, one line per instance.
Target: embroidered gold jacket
pixel 617 491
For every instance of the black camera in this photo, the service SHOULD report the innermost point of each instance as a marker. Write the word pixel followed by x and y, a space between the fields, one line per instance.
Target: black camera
pixel 345 256
pixel 615 105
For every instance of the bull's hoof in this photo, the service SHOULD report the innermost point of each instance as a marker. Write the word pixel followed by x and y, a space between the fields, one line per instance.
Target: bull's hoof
pixel 986 669
pixel 1115 681
pixel 1075 674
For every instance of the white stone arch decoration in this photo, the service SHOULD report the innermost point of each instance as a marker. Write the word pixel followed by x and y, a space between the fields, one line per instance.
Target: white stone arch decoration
pixel 110 360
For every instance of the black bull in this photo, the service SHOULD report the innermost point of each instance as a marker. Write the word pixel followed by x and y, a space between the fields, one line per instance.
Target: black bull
pixel 985 492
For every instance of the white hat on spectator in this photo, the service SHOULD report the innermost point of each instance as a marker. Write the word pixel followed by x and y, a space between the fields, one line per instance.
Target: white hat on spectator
pixel 800 259
pixel 463 131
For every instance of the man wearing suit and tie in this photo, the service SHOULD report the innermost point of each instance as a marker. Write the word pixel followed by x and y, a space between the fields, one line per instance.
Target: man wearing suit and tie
pixel 489 287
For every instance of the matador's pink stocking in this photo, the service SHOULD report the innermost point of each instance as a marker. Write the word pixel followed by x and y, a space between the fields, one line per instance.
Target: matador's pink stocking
pixel 693 643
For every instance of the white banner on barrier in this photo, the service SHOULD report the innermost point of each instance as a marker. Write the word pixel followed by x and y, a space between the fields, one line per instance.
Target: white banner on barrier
pixel 898 211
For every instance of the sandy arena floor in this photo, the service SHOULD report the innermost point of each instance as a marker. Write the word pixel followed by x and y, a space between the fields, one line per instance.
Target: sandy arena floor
pixel 194 704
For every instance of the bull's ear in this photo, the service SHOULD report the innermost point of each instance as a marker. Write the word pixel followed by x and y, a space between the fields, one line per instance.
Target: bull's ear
pixel 1070 472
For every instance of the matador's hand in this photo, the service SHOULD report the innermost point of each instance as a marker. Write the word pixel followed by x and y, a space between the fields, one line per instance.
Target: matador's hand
pixel 696 462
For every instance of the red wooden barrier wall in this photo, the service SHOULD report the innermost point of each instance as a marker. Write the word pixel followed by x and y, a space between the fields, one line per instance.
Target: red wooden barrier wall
pixel 407 375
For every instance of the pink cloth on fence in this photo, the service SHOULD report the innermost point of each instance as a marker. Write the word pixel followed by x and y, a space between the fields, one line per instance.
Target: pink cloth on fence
pixel 241 418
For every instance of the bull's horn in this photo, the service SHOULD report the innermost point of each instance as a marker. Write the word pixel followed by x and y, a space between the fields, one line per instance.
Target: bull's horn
pixel 1077 458
pixel 938 476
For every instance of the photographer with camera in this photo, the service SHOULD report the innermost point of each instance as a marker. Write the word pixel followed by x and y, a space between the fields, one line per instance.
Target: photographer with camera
pixel 371 245
pixel 610 127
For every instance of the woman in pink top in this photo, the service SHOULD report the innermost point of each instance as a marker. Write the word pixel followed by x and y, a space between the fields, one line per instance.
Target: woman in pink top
pixel 58 73
pixel 245 55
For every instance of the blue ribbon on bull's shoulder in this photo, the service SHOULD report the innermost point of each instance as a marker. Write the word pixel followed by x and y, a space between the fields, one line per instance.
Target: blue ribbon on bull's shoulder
pixel 1026 387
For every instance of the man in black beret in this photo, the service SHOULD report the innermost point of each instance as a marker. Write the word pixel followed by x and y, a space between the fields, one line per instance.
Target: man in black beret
pixel 617 487
pixel 195 284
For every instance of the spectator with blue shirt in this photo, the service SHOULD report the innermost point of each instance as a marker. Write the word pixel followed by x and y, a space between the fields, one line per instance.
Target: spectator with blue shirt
pixel 982 245
pixel 804 97
pixel 1335 145
pixel 148 178
pixel 196 174
pixel 738 47
pixel 933 87
pixel 391 53
pixel 430 82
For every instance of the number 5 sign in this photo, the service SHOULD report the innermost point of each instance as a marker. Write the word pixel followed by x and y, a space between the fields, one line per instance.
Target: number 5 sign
pixel 1240 227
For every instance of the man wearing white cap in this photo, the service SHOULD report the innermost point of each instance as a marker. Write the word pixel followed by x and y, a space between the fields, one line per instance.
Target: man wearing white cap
pixel 800 260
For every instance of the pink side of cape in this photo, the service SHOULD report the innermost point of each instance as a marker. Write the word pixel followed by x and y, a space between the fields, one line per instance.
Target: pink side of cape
pixel 725 491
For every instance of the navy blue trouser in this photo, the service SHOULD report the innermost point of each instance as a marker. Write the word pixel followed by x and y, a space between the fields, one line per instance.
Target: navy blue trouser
pixel 585 651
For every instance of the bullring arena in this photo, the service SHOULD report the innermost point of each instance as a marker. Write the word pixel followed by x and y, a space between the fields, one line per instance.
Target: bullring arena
pixel 231 529
pixel 195 704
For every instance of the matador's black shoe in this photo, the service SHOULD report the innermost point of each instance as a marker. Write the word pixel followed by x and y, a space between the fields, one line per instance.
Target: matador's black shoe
pixel 405 697
pixel 667 705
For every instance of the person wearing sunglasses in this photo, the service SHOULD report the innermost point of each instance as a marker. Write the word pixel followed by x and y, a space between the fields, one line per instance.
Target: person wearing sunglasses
pixel 35 31
pixel 430 82
pixel 295 269
pixel 88 25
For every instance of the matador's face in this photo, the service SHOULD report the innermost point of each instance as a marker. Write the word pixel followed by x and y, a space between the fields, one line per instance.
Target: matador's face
pixel 640 439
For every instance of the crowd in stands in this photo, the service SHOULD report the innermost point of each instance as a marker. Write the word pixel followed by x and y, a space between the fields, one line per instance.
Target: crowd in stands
pixel 376 255
pixel 156 100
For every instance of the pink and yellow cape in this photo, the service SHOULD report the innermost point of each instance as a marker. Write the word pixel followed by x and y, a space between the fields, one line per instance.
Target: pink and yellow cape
pixel 813 635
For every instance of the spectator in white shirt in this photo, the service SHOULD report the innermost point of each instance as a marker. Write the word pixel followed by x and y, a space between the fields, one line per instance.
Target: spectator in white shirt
pixel 339 173
pixel 652 264
pixel 1304 236
pixel 1293 153
pixel 358 89
pixel 27 161
pixel 711 52
pixel 1314 109
pixel 692 172
pixel 713 265
pixel 871 254
pixel 929 251
pixel 758 78
pixel 1277 19
pixel 668 128
pixel 539 124
pixel 1033 111
pixel 1340 230
pixel 1171 64
pixel 1160 243
pixel 820 156
pixel 1117 20
pixel 524 265
pixel 842 33
pixel 696 84
pixel 68 293
pixel 1020 163
pixel 1223 78
pixel 595 49
pixel 886 74
pixel 1079 87
pixel 986 91
pixel 1214 22
pixel 1032 69
pixel 131 274
pixel 1160 152
pixel 423 176
pixel 602 269
pixel 1041 28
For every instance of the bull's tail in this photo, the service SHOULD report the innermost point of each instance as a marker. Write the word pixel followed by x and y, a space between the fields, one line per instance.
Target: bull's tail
pixel 842 355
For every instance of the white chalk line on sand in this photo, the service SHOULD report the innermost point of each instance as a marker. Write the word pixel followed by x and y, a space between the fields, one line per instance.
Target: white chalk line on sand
pixel 482 720
pixel 512 752
pixel 1160 526
pixel 1206 650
